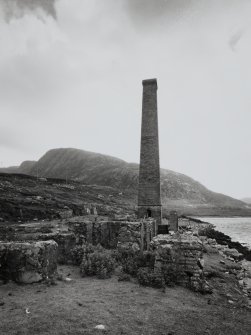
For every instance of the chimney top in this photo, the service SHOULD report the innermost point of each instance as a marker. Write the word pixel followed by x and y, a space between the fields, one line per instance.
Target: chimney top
pixel 150 82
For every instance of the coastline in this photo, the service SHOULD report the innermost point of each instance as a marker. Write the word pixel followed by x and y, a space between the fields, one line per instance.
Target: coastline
pixel 236 252
pixel 224 239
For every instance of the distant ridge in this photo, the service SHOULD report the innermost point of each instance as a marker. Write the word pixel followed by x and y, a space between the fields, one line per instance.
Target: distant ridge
pixel 178 190
pixel 246 200
pixel 26 167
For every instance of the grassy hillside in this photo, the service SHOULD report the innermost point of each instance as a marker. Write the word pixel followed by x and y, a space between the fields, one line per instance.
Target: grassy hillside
pixel 25 198
pixel 179 191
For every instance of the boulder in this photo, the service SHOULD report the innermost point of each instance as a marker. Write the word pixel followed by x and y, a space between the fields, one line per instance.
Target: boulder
pixel 28 262
pixel 233 253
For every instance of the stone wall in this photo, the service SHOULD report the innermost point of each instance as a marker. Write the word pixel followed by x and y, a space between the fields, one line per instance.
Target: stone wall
pixel 96 232
pixel 41 231
pixel 173 221
pixel 136 235
pixel 181 256
pixel 28 262
pixel 88 229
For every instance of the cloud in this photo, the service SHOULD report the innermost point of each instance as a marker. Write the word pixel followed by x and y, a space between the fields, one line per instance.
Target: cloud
pixel 157 8
pixel 19 8
pixel 148 13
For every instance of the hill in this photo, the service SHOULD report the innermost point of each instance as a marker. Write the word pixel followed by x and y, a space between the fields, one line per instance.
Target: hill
pixel 179 191
pixel 246 200
pixel 26 167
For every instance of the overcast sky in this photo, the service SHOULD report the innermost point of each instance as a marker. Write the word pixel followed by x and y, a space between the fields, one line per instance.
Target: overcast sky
pixel 71 72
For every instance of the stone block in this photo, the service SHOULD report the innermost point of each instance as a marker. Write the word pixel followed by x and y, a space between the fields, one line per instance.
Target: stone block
pixel 28 262
pixel 180 254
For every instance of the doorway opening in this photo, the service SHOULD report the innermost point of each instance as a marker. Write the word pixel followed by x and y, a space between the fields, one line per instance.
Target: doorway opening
pixel 149 213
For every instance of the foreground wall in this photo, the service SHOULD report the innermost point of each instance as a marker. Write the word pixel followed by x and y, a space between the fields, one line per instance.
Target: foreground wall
pixel 28 262
pixel 88 230
pixel 136 235
pixel 182 256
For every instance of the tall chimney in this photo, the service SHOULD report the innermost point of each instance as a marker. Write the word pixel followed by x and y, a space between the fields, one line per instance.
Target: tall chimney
pixel 149 202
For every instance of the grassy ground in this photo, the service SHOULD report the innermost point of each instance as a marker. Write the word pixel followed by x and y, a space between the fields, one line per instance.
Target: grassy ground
pixel 76 307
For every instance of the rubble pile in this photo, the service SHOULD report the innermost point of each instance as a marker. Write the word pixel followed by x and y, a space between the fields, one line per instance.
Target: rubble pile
pixel 211 245
pixel 240 268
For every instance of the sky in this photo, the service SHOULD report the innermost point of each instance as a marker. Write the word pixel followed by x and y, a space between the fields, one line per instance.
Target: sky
pixel 71 73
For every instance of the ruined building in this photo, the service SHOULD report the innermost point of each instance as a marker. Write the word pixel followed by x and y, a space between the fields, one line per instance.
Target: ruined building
pixel 149 202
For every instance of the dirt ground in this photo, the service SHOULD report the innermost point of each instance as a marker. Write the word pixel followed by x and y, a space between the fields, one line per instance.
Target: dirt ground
pixel 77 306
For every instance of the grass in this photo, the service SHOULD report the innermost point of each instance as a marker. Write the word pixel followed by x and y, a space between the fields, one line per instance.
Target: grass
pixel 76 307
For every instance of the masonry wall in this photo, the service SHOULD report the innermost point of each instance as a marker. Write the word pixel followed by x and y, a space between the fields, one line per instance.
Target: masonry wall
pixel 182 255
pixel 28 262
pixel 79 230
pixel 97 232
pixel 136 236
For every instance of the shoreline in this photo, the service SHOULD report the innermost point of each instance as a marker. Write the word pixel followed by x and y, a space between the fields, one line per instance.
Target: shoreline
pixel 224 239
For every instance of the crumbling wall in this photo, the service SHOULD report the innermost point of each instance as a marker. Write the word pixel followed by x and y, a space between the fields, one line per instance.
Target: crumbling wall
pixel 66 242
pixel 88 230
pixel 136 235
pixel 28 262
pixel 173 221
pixel 96 232
pixel 41 232
pixel 180 257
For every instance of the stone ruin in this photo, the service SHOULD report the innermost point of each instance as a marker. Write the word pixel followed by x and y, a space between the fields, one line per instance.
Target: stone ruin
pixel 28 262
pixel 173 221
pixel 52 242
pixel 30 252
pixel 179 252
pixel 182 255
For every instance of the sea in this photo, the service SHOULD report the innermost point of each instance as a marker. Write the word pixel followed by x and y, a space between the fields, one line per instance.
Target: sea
pixel 238 228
